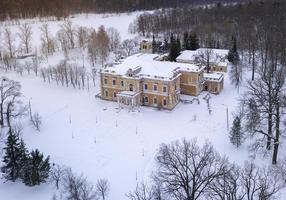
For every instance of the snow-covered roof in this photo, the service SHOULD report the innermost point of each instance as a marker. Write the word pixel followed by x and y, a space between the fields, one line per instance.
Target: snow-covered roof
pixel 216 55
pixel 213 76
pixel 147 66
pixel 127 94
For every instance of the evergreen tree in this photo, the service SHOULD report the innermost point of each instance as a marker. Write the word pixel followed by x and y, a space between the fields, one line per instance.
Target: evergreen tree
pixel 233 54
pixel 24 159
pixel 12 159
pixel 37 169
pixel 175 48
pixel 186 41
pixel 178 47
pixel 194 41
pixel 166 45
pixel 154 45
pixel 236 135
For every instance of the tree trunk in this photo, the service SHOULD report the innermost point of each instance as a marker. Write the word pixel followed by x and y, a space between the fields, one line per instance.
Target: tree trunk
pixel 253 63
pixel 1 115
pixel 8 112
pixel 277 135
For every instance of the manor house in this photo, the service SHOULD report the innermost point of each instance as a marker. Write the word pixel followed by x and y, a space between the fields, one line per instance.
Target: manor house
pixel 145 79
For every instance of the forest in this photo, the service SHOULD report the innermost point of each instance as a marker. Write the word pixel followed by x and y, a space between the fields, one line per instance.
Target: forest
pixel 11 9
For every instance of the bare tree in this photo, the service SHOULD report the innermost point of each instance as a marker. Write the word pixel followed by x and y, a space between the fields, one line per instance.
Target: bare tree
pixel 102 187
pixel 114 37
pixel 77 187
pixel 186 170
pixel 25 35
pixel 64 41
pixel 56 175
pixel 260 183
pixel 36 121
pixel 9 92
pixel 128 46
pixel 205 58
pixel 102 44
pixel 70 33
pixel 92 48
pixel 9 41
pixel 266 97
pixel 82 37
pixel 47 42
pixel 228 186
pixel 142 192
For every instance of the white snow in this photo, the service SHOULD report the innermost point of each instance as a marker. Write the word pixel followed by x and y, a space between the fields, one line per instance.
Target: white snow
pixel 216 55
pixel 150 67
pixel 93 137
pixel 72 119
pixel 213 76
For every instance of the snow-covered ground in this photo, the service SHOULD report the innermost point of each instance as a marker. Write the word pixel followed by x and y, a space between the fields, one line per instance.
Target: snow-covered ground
pixel 119 21
pixel 91 136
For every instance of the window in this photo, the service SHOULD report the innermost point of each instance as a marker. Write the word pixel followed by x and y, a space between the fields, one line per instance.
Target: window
pixel 164 89
pixel 164 102
pixel 131 87
pixel 114 94
pixel 146 100
pixel 105 81
pixel 145 87
pixel 155 87
pixel 113 82
pixel 106 93
pixel 175 86
pixel 122 83
pixel 155 100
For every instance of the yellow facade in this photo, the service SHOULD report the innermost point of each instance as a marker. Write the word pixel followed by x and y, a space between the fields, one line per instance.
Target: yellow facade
pixel 146 46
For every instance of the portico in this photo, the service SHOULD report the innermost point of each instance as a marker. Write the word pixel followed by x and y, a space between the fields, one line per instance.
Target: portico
pixel 129 98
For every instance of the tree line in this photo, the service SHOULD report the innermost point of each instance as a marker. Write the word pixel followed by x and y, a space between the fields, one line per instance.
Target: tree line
pixel 13 9
pixel 94 46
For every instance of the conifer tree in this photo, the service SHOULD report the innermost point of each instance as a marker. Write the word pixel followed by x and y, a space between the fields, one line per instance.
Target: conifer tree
pixel 194 41
pixel 236 135
pixel 186 41
pixel 12 158
pixel 175 48
pixel 233 54
pixel 37 169
pixel 24 159
pixel 166 44
pixel 178 47
pixel 154 45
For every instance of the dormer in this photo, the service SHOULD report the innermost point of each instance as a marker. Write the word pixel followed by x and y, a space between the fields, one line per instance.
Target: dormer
pixel 131 72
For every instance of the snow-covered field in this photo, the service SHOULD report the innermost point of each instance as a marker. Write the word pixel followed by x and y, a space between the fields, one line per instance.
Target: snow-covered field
pixel 119 21
pixel 91 136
